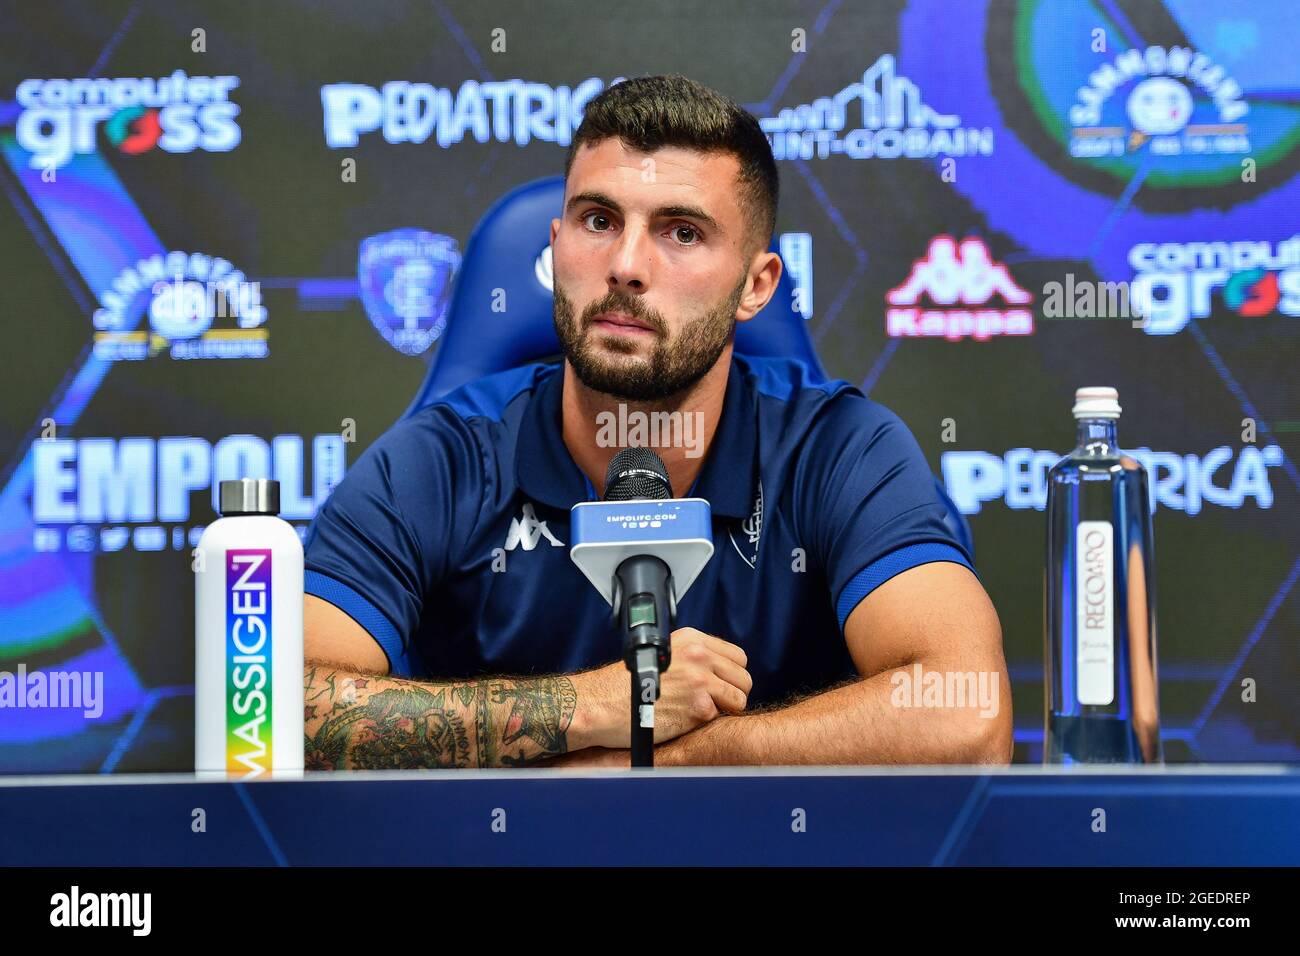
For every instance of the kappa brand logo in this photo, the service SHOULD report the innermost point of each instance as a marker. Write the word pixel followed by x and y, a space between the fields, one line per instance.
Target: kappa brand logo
pixel 954 277
pixel 752 527
pixel 527 531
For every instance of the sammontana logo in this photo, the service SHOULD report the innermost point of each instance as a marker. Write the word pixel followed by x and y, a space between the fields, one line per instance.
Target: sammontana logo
pixel 1155 87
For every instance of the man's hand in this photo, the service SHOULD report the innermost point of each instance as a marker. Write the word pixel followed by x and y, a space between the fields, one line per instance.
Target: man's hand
pixel 707 677
pixel 692 749
pixel 934 616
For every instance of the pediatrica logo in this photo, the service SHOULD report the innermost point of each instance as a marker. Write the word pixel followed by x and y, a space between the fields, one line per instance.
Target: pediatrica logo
pixel 502 111
pixel 954 277
pixel 60 118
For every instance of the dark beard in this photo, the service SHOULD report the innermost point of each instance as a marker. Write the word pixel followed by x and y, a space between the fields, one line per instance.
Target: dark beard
pixel 672 367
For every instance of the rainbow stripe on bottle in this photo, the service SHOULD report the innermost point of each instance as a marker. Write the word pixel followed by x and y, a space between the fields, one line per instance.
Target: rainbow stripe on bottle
pixel 248 662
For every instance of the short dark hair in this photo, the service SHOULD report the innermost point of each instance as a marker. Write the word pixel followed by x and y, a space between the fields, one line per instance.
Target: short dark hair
pixel 650 112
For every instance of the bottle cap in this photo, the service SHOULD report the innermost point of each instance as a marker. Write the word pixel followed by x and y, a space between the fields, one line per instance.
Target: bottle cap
pixel 1096 402
pixel 250 496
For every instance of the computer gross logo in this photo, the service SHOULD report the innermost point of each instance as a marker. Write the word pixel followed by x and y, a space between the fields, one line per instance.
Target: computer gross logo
pixel 60 118
pixel 1176 282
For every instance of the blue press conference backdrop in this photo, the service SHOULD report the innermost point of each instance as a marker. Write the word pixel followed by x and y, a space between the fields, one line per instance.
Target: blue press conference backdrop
pixel 228 234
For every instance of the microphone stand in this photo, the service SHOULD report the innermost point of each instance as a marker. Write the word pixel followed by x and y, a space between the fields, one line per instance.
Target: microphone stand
pixel 646 611
pixel 645 687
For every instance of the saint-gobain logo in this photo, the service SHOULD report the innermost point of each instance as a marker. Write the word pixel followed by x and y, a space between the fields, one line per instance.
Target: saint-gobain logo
pixel 248 661
pixel 882 115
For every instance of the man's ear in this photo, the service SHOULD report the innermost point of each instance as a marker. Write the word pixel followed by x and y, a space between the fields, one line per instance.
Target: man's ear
pixel 555 227
pixel 764 276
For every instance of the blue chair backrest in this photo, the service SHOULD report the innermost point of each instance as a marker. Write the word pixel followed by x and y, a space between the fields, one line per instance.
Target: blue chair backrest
pixel 500 313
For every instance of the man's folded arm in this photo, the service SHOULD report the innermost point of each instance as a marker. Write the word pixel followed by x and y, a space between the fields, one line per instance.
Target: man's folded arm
pixel 357 717
pixel 356 721
pixel 933 619
pixel 908 604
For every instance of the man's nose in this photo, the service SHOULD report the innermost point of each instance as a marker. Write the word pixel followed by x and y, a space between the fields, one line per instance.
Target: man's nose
pixel 629 264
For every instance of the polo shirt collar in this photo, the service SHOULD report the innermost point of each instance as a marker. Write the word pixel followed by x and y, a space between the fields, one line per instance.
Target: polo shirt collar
pixel 544 470
pixel 728 479
pixel 546 473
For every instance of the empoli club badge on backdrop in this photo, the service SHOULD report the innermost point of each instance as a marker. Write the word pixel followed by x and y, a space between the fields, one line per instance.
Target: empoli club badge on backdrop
pixel 404 277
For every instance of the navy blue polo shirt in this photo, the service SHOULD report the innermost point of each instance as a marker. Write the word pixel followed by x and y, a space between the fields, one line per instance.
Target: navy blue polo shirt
pixel 448 539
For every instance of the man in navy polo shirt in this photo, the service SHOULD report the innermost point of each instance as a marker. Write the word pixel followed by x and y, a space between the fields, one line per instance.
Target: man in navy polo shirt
pixel 445 624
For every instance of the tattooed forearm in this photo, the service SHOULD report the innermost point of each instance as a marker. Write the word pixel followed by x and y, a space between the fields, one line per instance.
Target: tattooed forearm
pixel 383 723
pixel 540 710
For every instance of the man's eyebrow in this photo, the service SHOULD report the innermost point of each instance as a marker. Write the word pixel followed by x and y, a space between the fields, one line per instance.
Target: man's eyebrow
pixel 663 212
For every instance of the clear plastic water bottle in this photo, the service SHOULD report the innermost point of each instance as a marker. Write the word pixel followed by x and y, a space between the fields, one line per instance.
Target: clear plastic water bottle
pixel 1100 657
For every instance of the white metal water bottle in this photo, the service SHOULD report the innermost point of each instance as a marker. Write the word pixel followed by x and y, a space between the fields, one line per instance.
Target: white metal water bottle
pixel 248 696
